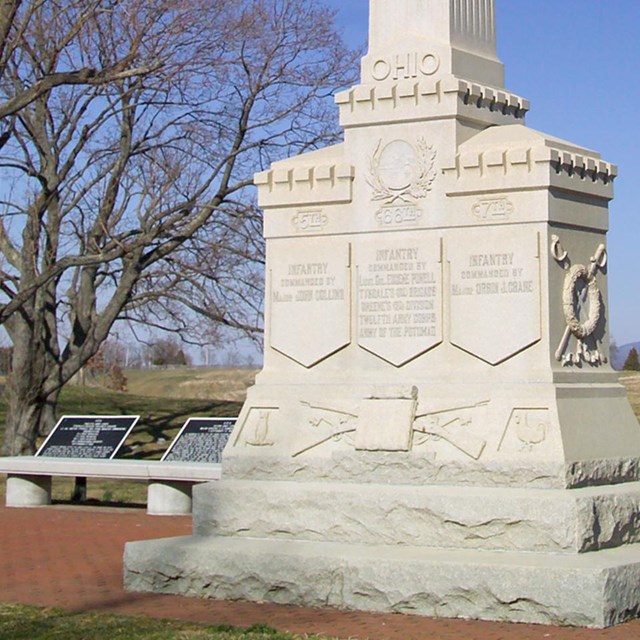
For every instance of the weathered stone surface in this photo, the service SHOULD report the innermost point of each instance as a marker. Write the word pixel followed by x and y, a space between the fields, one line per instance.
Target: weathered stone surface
pixel 586 473
pixel 397 468
pixel 416 469
pixel 445 517
pixel 594 590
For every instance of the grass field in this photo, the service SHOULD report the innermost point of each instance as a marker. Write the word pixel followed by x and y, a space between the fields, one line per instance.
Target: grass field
pixel 632 383
pixel 18 622
pixel 228 384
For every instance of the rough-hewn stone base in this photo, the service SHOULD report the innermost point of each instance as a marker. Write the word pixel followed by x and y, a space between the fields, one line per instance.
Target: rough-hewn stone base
pixel 525 555
pixel 410 468
pixel 492 519
pixel 596 589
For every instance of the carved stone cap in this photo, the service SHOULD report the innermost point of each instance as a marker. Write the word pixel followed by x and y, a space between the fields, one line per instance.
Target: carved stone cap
pixel 415 38
pixel 515 157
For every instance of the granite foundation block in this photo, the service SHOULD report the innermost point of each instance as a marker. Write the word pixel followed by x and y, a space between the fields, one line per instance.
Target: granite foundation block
pixel 591 590
pixel 497 519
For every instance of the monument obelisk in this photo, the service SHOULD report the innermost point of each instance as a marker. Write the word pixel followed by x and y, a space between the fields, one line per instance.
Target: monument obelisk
pixel 437 428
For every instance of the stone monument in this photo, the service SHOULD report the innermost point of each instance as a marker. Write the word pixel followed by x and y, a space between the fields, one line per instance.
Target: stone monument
pixel 437 429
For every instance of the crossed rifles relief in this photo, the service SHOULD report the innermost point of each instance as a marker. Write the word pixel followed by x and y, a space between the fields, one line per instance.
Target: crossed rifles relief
pixel 450 424
pixel 573 300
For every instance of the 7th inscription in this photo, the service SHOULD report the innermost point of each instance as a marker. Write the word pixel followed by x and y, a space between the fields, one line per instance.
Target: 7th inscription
pixel 492 274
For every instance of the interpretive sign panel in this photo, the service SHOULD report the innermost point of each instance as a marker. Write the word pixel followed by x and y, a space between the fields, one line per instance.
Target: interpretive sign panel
pixel 87 436
pixel 200 440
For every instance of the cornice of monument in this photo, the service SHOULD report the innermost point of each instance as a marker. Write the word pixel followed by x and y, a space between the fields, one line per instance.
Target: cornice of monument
pixel 415 100
pixel 420 43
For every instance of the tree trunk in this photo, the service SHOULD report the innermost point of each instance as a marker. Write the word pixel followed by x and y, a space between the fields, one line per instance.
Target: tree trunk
pixel 23 420
pixel 24 386
pixel 30 414
pixel 48 415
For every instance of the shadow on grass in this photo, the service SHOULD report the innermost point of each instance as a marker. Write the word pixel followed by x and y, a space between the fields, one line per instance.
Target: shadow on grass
pixel 161 427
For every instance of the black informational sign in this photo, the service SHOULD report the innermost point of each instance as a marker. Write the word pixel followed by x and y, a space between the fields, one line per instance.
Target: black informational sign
pixel 200 440
pixel 87 437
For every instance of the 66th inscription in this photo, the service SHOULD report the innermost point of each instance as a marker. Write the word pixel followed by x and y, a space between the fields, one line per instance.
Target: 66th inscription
pixel 399 299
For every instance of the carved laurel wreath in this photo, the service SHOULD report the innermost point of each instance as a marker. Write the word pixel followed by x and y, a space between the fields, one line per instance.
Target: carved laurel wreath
pixel 419 189
pixel 380 192
pixel 576 273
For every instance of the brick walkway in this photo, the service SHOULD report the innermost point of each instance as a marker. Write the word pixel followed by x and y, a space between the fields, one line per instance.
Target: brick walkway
pixel 71 557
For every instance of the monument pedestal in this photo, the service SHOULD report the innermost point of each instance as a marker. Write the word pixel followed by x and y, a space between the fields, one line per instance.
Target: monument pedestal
pixel 524 555
pixel 437 428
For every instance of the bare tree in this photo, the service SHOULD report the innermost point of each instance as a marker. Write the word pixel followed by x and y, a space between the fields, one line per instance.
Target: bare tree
pixel 129 198
pixel 75 18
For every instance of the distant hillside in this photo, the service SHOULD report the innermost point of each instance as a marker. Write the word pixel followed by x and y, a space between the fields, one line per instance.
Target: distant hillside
pixel 617 360
pixel 228 384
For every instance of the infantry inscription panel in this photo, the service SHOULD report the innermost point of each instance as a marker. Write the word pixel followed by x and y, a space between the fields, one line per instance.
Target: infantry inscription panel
pixel 399 309
pixel 495 291
pixel 310 298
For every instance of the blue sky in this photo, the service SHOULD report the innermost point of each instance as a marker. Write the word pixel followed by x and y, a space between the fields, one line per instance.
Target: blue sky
pixel 578 61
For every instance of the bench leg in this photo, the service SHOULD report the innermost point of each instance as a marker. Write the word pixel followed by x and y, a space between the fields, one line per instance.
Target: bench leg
pixel 169 498
pixel 79 490
pixel 28 491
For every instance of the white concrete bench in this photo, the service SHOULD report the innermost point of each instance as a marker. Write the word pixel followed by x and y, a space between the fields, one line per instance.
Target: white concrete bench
pixel 169 483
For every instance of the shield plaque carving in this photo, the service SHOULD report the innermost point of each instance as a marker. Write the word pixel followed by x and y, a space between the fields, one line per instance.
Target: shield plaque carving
pixel 494 292
pixel 399 308
pixel 310 300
